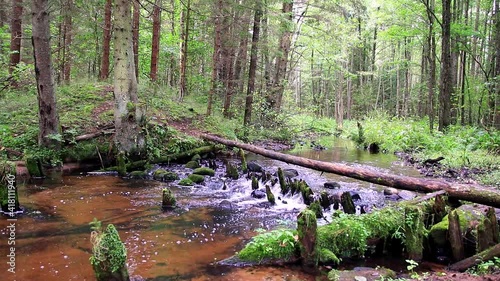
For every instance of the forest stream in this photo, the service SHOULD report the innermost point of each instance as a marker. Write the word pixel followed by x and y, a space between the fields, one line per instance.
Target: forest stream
pixel 209 225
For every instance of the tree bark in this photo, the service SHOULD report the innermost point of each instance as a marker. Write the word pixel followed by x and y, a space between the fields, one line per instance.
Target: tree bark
pixel 155 45
pixel 185 18
pixel 253 65
pixel 472 193
pixel 15 37
pixel 282 59
pixel 106 40
pixel 446 83
pixel 47 111
pixel 215 55
pixel 128 113
pixel 135 36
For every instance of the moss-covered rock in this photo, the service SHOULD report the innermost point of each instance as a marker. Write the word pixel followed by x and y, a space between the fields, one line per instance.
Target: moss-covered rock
pixel 196 158
pixel 186 182
pixel 192 164
pixel 204 171
pixel 196 178
pixel 138 174
pixel 164 175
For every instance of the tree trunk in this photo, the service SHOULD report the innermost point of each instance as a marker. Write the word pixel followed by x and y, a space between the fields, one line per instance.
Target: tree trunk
pixel 494 98
pixel 446 86
pixel 47 110
pixel 106 40
pixel 216 55
pixel 128 114
pixel 155 45
pixel 253 65
pixel 431 85
pixel 465 192
pixel 135 36
pixel 67 37
pixel 278 86
pixel 185 15
pixel 15 37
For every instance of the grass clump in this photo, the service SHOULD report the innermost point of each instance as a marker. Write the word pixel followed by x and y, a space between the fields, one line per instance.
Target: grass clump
pixel 280 244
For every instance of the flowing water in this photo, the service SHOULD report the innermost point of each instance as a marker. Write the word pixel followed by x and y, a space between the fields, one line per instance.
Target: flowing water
pixel 52 238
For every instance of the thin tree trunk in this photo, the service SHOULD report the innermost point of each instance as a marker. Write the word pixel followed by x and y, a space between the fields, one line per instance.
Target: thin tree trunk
pixel 135 36
pixel 446 86
pixel 282 59
pixel 47 110
pixel 494 100
pixel 15 37
pixel 155 44
pixel 216 54
pixel 253 65
pixel 67 29
pixel 185 18
pixel 106 41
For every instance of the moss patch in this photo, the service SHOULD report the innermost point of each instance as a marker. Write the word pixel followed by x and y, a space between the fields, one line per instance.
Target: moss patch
pixel 196 178
pixel 204 171
pixel 186 182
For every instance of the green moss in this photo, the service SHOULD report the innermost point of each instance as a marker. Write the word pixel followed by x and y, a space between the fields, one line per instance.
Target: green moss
pixel 196 158
pixel 255 183
pixel 192 165
pixel 121 166
pixel 244 166
pixel 168 199
pixel 196 178
pixel 232 171
pixel 274 245
pixel 270 195
pixel 439 231
pixel 317 209
pixel 34 166
pixel 109 254
pixel 204 171
pixel 164 175
pixel 284 187
pixel 186 182
pixel 327 256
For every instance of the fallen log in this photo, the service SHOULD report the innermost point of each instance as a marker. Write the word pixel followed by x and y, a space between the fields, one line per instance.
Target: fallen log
pixel 138 165
pixel 469 262
pixel 467 192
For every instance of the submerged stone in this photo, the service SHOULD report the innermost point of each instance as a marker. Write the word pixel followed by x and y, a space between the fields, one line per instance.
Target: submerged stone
pixel 331 185
pixel 186 182
pixel 254 167
pixel 192 164
pixel 259 194
pixel 290 173
pixel 138 175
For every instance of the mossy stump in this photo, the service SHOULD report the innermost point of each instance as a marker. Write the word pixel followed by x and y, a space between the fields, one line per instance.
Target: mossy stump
pixel 414 232
pixel 168 201
pixel 455 236
pixel 255 183
pixel 284 187
pixel 306 229
pixel 9 199
pixel 231 171
pixel 34 167
pixel 244 166
pixel 317 209
pixel 109 255
pixel 270 195
pixel 487 231
pixel 121 166
pixel 347 203
pixel 306 192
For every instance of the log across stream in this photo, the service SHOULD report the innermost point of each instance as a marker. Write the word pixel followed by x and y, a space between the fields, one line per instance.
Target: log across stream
pixel 467 192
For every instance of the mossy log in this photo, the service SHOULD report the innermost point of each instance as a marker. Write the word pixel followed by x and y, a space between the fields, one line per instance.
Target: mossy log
pixel 469 262
pixel 467 192
pixel 138 165
pixel 9 199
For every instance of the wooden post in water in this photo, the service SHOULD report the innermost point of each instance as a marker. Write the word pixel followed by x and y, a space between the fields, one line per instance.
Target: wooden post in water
pixel 455 233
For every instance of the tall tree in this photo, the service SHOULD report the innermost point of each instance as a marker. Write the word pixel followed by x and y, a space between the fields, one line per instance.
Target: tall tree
pixel 253 64
pixel 15 36
pixel 65 40
pixel 106 41
pixel 47 110
pixel 128 113
pixel 446 82
pixel 155 44
pixel 185 19
pixel 494 99
pixel 217 11
pixel 282 58
pixel 135 35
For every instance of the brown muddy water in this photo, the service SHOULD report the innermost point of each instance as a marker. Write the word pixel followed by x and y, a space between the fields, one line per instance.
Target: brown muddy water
pixel 52 238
